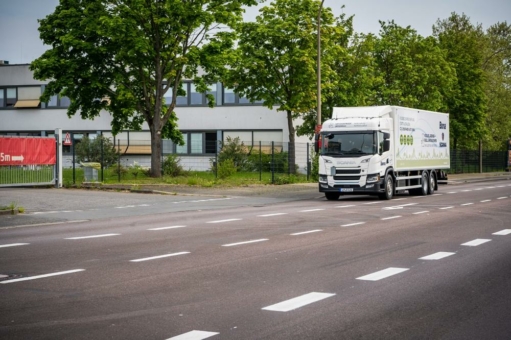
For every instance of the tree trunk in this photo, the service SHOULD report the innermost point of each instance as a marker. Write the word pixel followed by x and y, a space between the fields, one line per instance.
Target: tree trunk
pixel 156 148
pixel 292 150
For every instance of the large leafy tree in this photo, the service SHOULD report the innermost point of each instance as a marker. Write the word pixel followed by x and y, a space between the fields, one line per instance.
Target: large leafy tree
pixel 464 45
pixel 411 70
pixel 125 56
pixel 276 58
pixel 497 71
pixel 348 73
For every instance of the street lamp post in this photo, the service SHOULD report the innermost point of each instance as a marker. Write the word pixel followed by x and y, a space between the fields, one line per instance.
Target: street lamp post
pixel 319 66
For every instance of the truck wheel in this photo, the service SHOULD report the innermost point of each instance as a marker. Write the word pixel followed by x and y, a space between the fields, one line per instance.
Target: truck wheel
pixel 332 196
pixel 389 189
pixel 432 182
pixel 424 186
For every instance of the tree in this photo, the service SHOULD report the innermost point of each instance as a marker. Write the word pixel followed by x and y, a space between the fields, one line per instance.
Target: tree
pixel 497 72
pixel 276 59
pixel 348 77
pixel 464 45
pixel 99 150
pixel 123 56
pixel 411 70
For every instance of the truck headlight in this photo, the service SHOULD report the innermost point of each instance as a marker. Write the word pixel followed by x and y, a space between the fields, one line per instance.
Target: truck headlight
pixel 322 178
pixel 365 160
pixel 373 178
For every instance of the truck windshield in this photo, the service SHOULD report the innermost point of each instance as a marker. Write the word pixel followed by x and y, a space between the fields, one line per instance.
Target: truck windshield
pixel 348 143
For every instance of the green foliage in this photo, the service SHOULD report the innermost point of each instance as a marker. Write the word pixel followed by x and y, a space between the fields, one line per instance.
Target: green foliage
pixel 171 166
pixel 226 168
pixel 411 70
pixel 464 45
pixel 315 167
pixel 90 150
pixel 120 170
pixel 263 162
pixel 235 150
pixel 126 56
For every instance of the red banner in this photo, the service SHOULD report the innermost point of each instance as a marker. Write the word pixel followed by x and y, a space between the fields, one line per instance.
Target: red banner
pixel 27 151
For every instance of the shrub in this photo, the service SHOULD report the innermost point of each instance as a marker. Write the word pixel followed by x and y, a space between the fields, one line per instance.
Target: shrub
pixel 89 150
pixel 226 169
pixel 234 150
pixel 171 166
pixel 120 170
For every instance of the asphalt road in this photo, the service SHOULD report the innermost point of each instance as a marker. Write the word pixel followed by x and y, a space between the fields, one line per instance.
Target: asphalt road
pixel 96 265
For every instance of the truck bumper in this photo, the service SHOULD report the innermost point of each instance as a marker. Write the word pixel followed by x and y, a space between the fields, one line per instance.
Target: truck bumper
pixel 368 189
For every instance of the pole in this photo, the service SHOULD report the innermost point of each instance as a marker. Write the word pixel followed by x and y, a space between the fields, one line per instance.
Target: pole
pixel 74 162
pixel 319 64
pixel 260 163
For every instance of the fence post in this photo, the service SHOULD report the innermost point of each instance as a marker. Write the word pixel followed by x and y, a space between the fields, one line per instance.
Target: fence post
pixel 216 159
pixel 102 158
pixel 73 144
pixel 308 163
pixel 260 163
pixel 272 162
pixel 119 160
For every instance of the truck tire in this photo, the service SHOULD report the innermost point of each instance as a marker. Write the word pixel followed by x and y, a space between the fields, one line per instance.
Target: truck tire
pixel 424 184
pixel 432 183
pixel 332 196
pixel 389 189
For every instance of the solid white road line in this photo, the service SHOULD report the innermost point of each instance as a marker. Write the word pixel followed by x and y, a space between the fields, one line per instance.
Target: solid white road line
pixel 444 208
pixel 269 215
pixel 13 245
pixel 42 276
pixel 229 220
pixel 398 199
pixel 160 256
pixel 345 206
pixel 503 232
pixel 306 232
pixel 41 224
pixel 194 335
pixel 92 236
pixel 382 274
pixel 467 204
pixel 421 212
pixel 352 224
pixel 437 256
pixel 311 210
pixel 390 218
pixel 297 302
pixel 476 242
pixel 172 227
pixel 246 242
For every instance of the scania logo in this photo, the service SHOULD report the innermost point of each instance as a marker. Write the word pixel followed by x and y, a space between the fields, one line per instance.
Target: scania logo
pixel 346 162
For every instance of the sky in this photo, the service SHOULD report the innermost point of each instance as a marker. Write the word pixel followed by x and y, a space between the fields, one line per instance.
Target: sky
pixel 20 43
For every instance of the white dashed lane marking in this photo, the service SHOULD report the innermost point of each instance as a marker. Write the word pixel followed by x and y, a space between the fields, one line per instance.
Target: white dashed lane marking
pixel 92 236
pixel 171 227
pixel 503 232
pixel 444 208
pixel 297 302
pixel 437 256
pixel 476 242
pixel 390 218
pixel 269 215
pixel 160 256
pixel 222 221
pixel 194 335
pixel 382 274
pixel 467 204
pixel 13 245
pixel 309 210
pixel 306 232
pixel 246 242
pixel 420 212
pixel 42 276
pixel 501 198
pixel 345 206
pixel 352 224
pixel 484 201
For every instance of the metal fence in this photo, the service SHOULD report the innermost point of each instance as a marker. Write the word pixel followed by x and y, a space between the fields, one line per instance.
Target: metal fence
pixel 267 160
pixel 27 175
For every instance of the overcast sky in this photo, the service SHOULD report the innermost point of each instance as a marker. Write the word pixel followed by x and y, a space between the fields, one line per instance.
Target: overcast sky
pixel 19 37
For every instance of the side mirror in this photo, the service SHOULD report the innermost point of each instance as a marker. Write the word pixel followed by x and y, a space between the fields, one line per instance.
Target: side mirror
pixel 316 143
pixel 386 145
pixel 386 135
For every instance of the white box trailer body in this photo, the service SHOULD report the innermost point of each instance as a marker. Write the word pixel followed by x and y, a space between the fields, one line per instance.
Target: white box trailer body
pixel 379 150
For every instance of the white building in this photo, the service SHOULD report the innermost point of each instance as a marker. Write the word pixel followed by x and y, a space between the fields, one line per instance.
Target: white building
pixel 22 114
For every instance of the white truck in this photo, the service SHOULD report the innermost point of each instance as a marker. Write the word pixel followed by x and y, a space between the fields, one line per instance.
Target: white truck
pixel 381 150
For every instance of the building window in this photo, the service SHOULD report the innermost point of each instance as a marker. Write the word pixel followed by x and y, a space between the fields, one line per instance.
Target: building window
pixel 212 91
pixel 58 101
pixel 183 149
pixel 8 97
pixel 196 98
pixel 232 98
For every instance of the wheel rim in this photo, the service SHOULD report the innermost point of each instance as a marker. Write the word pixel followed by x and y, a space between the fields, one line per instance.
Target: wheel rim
pixel 389 187
pixel 431 183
